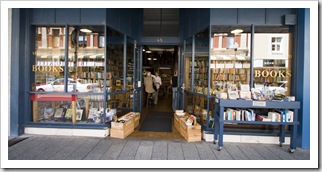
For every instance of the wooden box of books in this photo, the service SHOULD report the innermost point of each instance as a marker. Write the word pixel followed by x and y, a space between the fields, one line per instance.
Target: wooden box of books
pixel 135 117
pixel 121 125
pixel 190 133
pixel 121 134
pixel 177 119
pixel 121 129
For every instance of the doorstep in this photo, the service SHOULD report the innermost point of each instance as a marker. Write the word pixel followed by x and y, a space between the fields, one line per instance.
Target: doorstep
pixel 104 132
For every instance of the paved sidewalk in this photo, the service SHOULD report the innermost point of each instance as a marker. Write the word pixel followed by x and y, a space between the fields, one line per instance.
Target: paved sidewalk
pixel 37 147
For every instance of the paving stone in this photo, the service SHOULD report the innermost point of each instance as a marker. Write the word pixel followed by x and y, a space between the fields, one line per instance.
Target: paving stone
pixel 144 151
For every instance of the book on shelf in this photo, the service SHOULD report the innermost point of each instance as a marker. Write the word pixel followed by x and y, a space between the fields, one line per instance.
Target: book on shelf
pixel 59 112
pixel 238 115
pixel 275 116
pixel 79 114
pixel 92 112
pixel 68 114
pixel 49 113
pixel 286 115
pixel 233 95
pixel 289 115
pixel 263 118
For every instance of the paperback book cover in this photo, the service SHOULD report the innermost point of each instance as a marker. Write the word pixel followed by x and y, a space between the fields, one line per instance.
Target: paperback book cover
pixel 68 114
pixel 49 113
pixel 59 113
pixel 91 113
pixel 79 114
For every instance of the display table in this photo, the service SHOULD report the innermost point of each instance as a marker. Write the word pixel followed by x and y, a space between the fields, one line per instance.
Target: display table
pixel 221 104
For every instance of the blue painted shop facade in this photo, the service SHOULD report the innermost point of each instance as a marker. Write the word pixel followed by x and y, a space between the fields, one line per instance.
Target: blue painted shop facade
pixel 39 38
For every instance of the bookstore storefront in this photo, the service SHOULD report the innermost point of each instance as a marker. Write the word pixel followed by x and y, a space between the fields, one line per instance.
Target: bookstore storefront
pixel 79 71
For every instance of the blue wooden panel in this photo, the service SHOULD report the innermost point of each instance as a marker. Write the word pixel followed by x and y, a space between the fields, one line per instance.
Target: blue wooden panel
pixel 251 16
pixel 185 23
pixel 204 18
pixel 274 16
pixel 136 23
pixel 113 18
pixel 223 16
pixel 124 20
pixel 93 16
pixel 303 76
pixel 43 16
pixel 194 20
pixel 68 16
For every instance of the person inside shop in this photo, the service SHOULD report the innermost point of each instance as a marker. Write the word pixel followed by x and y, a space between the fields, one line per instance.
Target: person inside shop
pixel 148 84
pixel 174 83
pixel 158 83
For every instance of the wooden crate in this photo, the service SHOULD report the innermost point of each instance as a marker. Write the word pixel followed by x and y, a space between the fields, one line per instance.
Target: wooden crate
pixel 121 130
pixel 122 134
pixel 177 121
pixel 135 118
pixel 120 125
pixel 190 133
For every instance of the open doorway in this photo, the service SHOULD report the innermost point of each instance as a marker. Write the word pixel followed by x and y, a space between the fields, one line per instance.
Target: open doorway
pixel 157 119
pixel 163 60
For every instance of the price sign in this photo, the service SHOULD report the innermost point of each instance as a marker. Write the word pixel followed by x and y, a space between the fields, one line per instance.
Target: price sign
pixel 259 103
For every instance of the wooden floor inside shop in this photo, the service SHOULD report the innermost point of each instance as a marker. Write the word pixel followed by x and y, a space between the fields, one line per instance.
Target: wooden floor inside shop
pixel 164 105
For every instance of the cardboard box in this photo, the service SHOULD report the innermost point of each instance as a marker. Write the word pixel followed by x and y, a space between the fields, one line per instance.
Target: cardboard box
pixel 190 133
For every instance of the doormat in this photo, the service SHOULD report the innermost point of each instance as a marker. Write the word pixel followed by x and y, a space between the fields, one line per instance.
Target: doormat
pixel 157 124
pixel 158 114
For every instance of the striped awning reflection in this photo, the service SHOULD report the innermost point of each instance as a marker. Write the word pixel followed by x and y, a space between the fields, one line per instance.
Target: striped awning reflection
pixel 70 56
pixel 229 57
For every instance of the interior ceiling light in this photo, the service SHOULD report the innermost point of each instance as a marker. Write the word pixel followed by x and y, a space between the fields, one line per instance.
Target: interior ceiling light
pixel 149 58
pixel 148 51
pixel 86 30
pixel 143 49
pixel 155 59
pixel 237 31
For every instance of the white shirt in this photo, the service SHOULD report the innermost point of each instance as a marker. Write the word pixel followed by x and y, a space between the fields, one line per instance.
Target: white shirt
pixel 157 80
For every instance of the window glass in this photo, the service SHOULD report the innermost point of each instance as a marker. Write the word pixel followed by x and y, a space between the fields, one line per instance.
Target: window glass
pixel 230 60
pixel 114 60
pixel 85 74
pixel 48 66
pixel 85 59
pixel 200 63
pixel 272 66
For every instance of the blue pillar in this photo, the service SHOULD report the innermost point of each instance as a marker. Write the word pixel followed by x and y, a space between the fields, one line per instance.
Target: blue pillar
pixel 302 75
pixel 18 94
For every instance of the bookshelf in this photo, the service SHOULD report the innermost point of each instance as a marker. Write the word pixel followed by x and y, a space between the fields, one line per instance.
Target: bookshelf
pixel 229 67
pixel 221 105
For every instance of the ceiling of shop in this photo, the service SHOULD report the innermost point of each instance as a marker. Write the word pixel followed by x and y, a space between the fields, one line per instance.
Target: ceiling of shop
pixel 161 22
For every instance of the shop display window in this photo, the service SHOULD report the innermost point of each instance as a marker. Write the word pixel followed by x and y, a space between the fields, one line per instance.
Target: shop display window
pixel 201 62
pixel 80 109
pixel 273 62
pixel 230 59
pixel 83 97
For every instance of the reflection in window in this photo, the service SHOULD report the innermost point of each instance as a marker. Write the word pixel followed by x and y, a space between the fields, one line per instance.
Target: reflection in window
pixel 272 61
pixel 276 44
pixel 230 61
